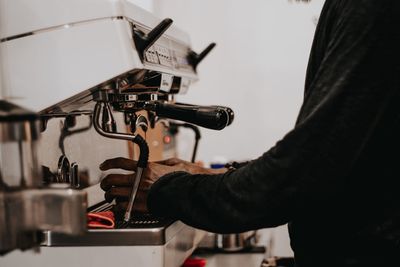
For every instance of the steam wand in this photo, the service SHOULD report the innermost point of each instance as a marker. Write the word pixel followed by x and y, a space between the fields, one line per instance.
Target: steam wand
pixel 135 138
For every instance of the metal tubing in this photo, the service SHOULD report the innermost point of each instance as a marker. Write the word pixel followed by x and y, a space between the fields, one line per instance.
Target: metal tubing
pixel 132 197
pixel 99 129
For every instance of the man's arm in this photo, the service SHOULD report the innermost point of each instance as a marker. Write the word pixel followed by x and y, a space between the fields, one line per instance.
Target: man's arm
pixel 352 92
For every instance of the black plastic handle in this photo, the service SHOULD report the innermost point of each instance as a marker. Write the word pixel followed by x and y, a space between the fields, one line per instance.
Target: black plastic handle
pixel 145 41
pixel 144 151
pixel 228 110
pixel 211 117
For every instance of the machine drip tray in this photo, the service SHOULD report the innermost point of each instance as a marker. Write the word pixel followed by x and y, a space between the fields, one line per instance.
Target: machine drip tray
pixel 143 221
pixel 140 231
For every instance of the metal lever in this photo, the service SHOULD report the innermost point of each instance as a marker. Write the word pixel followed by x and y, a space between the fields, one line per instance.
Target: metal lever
pixel 75 180
pixel 145 41
pixel 194 58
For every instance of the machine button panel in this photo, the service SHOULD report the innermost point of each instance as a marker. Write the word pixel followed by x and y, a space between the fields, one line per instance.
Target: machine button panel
pixel 164 55
pixel 173 59
pixel 151 55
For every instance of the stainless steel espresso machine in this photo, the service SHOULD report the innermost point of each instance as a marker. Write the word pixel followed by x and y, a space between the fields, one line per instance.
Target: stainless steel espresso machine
pixel 83 81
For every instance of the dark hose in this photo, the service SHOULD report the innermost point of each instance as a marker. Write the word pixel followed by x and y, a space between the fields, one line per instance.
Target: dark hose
pixel 144 151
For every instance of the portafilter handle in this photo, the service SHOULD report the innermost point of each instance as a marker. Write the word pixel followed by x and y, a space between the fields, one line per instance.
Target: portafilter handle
pixel 230 112
pixel 211 117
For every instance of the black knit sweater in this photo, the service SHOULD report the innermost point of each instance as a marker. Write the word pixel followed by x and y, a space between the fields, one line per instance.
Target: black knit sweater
pixel 334 177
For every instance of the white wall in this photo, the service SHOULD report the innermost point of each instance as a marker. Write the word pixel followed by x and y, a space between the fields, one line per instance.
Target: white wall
pixel 146 4
pixel 258 69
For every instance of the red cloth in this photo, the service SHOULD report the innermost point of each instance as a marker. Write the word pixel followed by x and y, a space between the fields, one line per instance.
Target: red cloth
pixel 195 262
pixel 101 220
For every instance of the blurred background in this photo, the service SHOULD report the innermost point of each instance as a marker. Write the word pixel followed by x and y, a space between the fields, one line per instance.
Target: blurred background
pixel 258 68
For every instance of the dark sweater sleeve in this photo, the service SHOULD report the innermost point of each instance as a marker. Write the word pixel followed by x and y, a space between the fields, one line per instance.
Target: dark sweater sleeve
pixel 346 100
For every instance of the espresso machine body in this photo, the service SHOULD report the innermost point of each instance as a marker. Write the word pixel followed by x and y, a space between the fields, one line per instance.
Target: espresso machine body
pixel 100 78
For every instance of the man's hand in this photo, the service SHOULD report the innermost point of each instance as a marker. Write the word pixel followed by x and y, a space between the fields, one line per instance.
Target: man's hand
pixel 119 186
pixel 186 166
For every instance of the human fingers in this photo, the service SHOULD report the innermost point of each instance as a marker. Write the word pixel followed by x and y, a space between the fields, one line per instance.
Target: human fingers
pixel 119 163
pixel 120 207
pixel 117 192
pixel 170 161
pixel 139 205
pixel 147 180
pixel 116 180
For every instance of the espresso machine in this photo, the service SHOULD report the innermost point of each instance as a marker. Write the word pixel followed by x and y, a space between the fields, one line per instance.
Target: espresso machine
pixel 83 81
